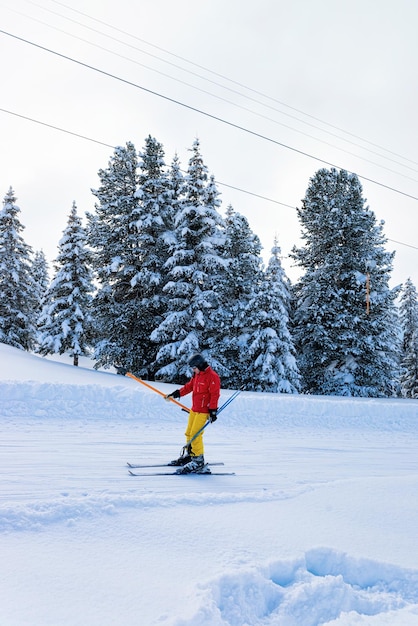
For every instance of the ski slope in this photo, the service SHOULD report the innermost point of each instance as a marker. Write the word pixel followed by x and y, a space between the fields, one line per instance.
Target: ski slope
pixel 318 525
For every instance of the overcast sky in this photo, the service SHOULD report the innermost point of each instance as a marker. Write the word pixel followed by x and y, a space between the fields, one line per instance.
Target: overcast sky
pixel 296 84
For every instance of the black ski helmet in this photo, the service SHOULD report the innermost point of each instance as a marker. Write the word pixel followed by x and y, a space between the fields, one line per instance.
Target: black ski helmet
pixel 198 361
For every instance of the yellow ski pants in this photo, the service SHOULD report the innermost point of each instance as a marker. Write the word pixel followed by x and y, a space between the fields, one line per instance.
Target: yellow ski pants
pixel 196 422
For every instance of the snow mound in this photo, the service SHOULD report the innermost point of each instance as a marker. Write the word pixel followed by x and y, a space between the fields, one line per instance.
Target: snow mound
pixel 67 509
pixel 323 587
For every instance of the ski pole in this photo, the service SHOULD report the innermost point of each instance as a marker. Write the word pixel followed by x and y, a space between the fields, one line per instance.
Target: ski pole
pixel 189 443
pixel 139 380
pixel 221 408
pixel 225 404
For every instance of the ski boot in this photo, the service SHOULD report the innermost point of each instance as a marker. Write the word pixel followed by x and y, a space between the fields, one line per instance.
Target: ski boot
pixel 197 463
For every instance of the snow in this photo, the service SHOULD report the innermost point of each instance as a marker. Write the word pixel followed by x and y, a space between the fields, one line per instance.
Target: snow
pixel 317 526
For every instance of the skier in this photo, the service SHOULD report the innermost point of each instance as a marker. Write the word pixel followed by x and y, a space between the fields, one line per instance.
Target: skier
pixel 206 386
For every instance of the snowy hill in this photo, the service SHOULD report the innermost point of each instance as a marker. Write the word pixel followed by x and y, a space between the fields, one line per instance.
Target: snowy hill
pixel 318 525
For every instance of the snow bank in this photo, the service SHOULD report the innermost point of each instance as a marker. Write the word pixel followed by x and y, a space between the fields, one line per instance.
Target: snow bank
pixel 85 543
pixel 324 587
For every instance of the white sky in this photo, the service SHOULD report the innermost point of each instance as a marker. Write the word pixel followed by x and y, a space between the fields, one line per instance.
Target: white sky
pixel 313 68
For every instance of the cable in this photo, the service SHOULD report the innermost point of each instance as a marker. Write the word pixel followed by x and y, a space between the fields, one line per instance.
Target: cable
pixel 215 83
pixel 250 193
pixel 62 130
pixel 227 79
pixel 228 101
pixel 68 132
pixel 255 195
pixel 401 243
pixel 209 115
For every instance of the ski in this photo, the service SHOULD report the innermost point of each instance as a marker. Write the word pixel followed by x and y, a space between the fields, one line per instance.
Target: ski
pixel 134 466
pixel 175 473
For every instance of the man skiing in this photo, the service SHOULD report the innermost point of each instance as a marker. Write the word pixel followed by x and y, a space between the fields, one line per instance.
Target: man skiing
pixel 206 387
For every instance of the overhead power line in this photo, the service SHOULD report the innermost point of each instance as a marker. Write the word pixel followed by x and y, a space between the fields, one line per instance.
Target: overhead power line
pixel 218 182
pixel 199 76
pixel 108 145
pixel 62 130
pixel 201 112
pixel 223 77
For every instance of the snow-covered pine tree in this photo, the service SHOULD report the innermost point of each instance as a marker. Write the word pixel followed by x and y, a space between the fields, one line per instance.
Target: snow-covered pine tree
pixel 113 237
pixel 17 286
pixel 241 277
pixel 65 323
pixel 408 310
pixel 343 348
pixel 271 352
pixel 193 268
pixel 154 220
pixel 177 190
pixel 40 272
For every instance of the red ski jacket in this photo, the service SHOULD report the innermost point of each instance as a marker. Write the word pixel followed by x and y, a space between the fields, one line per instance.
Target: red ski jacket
pixel 206 388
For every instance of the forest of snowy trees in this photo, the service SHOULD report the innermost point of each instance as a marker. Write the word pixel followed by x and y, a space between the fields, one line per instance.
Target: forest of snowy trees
pixel 157 273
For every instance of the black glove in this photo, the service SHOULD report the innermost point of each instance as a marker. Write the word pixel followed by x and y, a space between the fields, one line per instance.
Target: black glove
pixel 173 394
pixel 121 371
pixel 213 415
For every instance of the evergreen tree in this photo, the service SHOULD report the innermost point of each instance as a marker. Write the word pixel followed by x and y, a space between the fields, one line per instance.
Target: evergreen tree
pixel 40 272
pixel 17 285
pixel 154 217
pixel 271 352
pixel 192 268
pixel 346 325
pixel 177 191
pixel 241 277
pixel 65 324
pixel 130 236
pixel 409 323
pixel 113 237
